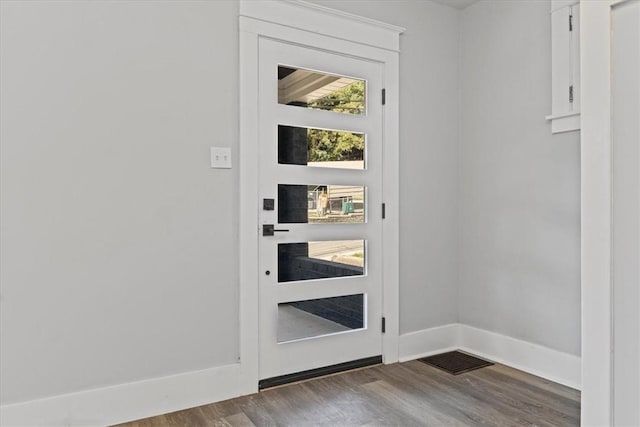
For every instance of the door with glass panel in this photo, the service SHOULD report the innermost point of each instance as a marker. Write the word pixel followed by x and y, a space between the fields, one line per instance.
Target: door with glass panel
pixel 320 127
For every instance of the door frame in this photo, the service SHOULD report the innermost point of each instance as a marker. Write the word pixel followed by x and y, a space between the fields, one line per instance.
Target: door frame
pixel 317 27
pixel 599 400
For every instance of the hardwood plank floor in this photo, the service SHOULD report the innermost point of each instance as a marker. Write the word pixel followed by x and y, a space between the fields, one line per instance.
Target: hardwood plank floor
pixel 402 394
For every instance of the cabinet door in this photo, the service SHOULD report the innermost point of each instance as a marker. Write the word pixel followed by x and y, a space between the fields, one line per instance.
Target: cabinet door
pixel 561 74
pixel 575 56
pixel 565 66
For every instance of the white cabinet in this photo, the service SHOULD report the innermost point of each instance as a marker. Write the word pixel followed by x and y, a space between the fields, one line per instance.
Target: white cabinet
pixel 565 66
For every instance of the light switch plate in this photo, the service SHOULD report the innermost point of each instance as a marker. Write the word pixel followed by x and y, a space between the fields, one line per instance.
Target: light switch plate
pixel 221 157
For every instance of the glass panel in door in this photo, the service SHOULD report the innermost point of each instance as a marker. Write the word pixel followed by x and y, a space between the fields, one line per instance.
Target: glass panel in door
pixel 321 148
pixel 320 260
pixel 299 320
pixel 321 204
pixel 320 245
pixel 320 91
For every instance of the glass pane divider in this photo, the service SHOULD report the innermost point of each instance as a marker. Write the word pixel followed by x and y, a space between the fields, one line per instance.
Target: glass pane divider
pixel 322 177
pixel 294 291
pixel 293 116
pixel 292 123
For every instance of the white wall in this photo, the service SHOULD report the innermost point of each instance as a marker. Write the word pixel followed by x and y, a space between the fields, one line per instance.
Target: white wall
pixel 119 243
pixel 428 155
pixel 508 191
pixel 625 127
pixel 519 184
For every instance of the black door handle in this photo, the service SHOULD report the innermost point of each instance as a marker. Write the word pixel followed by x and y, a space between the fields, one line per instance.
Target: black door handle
pixel 269 230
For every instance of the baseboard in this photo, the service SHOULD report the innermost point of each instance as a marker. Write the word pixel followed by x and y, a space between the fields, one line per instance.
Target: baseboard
pixel 535 359
pixel 554 365
pixel 131 401
pixel 426 342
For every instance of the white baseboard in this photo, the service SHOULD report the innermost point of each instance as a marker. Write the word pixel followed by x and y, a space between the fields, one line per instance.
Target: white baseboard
pixel 426 342
pixel 535 359
pixel 131 401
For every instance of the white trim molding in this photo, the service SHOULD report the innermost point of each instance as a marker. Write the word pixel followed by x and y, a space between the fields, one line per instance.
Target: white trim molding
pixel 595 165
pixel 625 212
pixel 534 359
pixel 318 19
pixel 559 4
pixel 313 26
pixel 566 122
pixel 615 3
pixel 545 362
pixel 128 402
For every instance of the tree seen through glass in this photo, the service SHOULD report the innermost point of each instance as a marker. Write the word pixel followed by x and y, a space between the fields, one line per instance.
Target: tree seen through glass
pixel 327 145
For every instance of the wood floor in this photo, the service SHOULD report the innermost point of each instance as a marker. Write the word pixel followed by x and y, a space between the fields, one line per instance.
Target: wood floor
pixel 402 394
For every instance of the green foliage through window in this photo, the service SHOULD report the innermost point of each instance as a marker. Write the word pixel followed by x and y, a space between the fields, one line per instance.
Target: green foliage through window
pixel 327 145
pixel 349 99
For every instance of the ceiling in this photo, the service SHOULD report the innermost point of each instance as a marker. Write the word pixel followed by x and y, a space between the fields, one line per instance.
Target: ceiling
pixel 458 4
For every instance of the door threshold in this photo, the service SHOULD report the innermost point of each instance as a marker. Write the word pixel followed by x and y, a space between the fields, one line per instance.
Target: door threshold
pixel 318 372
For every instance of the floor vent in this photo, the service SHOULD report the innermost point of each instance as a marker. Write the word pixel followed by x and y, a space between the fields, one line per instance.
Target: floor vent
pixel 455 362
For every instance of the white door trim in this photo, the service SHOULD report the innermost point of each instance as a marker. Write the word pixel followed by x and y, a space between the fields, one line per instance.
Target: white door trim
pixel 318 19
pixel 321 28
pixel 595 158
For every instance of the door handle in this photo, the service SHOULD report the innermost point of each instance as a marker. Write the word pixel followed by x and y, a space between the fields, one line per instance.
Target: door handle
pixel 269 230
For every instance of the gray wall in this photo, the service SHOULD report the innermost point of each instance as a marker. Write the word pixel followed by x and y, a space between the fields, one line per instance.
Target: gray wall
pixel 428 155
pixel 519 184
pixel 119 243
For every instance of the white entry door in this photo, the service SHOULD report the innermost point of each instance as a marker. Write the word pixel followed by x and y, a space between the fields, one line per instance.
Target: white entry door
pixel 320 181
